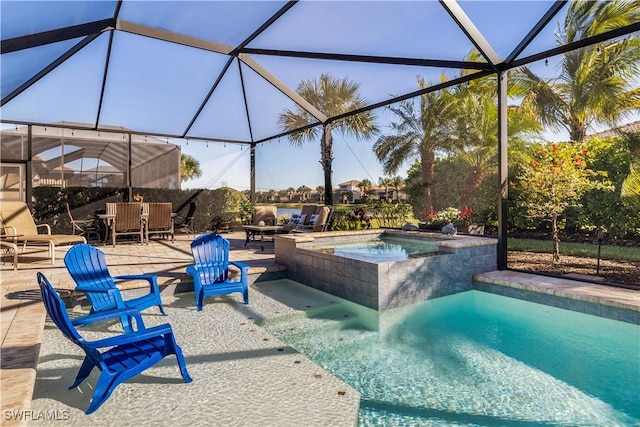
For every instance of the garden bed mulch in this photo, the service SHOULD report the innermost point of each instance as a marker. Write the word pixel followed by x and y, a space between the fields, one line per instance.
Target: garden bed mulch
pixel 615 272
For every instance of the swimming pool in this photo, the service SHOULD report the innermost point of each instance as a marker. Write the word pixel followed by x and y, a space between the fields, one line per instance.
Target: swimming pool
pixel 383 249
pixel 475 359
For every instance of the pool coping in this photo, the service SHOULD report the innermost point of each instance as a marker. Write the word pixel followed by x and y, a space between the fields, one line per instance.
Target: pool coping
pixel 596 299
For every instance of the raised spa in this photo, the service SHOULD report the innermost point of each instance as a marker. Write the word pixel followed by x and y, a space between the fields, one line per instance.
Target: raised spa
pixel 383 269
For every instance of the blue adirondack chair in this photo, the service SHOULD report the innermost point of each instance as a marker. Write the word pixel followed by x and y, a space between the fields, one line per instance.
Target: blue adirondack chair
pixel 211 269
pixel 124 356
pixel 88 267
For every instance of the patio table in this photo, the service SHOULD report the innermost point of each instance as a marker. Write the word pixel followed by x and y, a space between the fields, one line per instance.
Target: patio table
pixel 262 230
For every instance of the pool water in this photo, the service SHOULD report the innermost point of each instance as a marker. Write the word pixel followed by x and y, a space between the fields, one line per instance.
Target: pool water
pixel 475 359
pixel 383 249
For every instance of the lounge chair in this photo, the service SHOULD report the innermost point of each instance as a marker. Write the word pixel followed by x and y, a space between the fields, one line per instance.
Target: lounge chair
pixel 210 271
pixel 313 219
pixel 16 219
pixel 88 268
pixel 159 219
pixel 84 227
pixel 185 223
pixel 8 247
pixel 118 357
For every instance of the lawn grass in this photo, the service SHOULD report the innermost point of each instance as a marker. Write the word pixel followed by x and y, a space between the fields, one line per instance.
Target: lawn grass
pixel 589 250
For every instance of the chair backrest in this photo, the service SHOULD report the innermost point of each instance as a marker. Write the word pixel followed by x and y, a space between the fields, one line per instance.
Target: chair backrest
pixel 159 216
pixel 188 219
pixel 57 311
pixel 16 214
pixel 268 214
pixel 73 222
pixel 110 209
pixel 211 257
pixel 307 210
pixel 127 217
pixel 88 268
pixel 322 219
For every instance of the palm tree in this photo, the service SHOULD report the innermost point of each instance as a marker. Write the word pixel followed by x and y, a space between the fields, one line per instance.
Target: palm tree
pixel 476 124
pixel 424 129
pixel 320 190
pixel 397 184
pixel 189 167
pixel 366 188
pixel 331 96
pixel 385 182
pixel 290 192
pixel 304 191
pixel 594 82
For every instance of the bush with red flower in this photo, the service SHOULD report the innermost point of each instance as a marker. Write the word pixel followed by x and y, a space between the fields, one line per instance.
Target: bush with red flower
pixel 459 218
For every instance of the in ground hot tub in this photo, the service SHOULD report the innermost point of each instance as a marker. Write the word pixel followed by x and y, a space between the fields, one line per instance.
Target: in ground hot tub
pixel 383 269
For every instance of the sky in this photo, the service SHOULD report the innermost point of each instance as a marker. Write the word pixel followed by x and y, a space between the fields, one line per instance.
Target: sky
pixel 156 86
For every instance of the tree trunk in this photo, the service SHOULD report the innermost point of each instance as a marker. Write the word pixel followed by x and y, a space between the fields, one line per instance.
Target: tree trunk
pixel 578 131
pixel 326 148
pixel 427 166
pixel 556 239
pixel 471 184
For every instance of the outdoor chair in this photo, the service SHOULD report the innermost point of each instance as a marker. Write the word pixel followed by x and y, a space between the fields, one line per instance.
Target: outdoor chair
pixel 84 227
pixel 262 215
pixel 125 219
pixel 16 218
pixel 312 218
pixel 210 271
pixel 159 219
pixel 8 247
pixel 118 357
pixel 184 224
pixel 88 268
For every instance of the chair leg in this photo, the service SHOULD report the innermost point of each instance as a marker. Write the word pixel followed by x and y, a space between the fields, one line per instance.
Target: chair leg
pixel 245 295
pixel 83 373
pixel 199 301
pixel 161 309
pixel 52 252
pixel 104 388
pixel 181 362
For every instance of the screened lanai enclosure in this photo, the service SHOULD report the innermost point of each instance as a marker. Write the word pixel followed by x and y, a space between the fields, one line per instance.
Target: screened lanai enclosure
pixel 255 78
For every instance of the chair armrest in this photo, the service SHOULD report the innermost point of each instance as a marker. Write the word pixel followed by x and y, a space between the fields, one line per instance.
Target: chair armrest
pixel 10 228
pixel 101 316
pixel 244 269
pixel 151 278
pixel 240 265
pixel 95 290
pixel 113 293
pixel 46 226
pixel 132 336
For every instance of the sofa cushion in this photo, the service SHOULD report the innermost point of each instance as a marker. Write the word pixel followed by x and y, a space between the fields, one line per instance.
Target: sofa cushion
pixel 297 219
pixel 307 210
